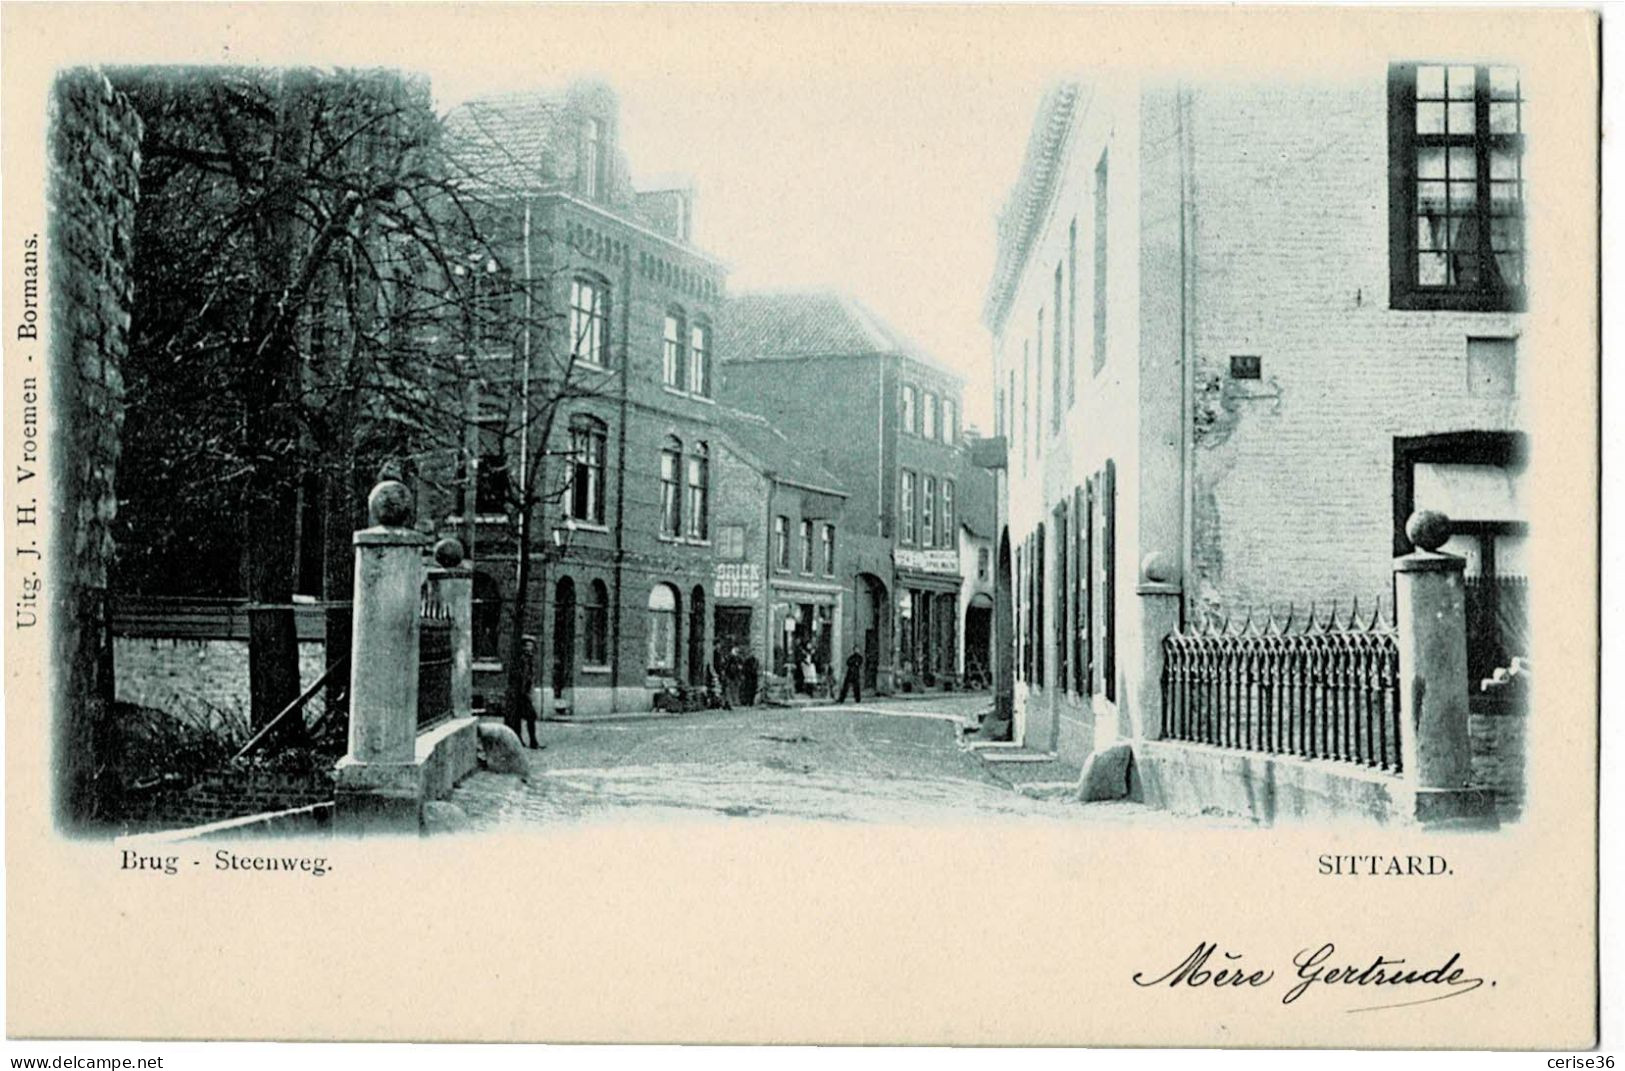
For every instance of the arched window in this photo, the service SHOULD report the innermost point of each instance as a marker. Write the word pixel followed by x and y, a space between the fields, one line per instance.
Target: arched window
pixel 671 475
pixel 587 438
pixel 671 365
pixel 908 408
pixel 595 623
pixel 663 630
pixel 589 320
pixel 699 492
pixel 699 361
pixel 486 616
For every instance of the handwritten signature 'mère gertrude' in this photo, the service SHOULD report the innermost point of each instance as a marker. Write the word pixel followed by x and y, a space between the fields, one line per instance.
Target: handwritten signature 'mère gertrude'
pixel 1316 967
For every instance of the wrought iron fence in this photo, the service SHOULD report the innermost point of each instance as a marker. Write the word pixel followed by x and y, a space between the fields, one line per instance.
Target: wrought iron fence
pixel 1323 688
pixel 434 659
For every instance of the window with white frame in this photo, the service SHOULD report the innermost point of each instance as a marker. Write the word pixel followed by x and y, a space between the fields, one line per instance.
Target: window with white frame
pixel 1456 187
pixel 806 546
pixel 671 361
pixel 589 321
pixel 662 629
pixel 587 438
pixel 906 504
pixel 671 476
pixel 699 491
pixel 928 496
pixel 699 360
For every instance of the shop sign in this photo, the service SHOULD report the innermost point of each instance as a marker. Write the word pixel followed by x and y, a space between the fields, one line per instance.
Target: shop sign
pixel 927 561
pixel 738 580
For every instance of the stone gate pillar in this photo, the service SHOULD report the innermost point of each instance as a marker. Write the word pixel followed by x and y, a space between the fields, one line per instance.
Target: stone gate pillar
pixel 378 783
pixel 456 580
pixel 1430 611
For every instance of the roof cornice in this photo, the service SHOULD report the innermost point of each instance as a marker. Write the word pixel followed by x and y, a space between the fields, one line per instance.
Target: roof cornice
pixel 1029 202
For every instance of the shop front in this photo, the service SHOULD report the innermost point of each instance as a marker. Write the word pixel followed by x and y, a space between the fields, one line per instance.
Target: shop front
pixel 928 587
pixel 805 622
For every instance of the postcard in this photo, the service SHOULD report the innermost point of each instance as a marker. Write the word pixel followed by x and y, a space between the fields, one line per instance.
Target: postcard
pixel 802 524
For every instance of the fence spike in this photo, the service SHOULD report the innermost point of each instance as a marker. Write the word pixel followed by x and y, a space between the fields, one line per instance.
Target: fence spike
pixel 1331 618
pixel 1354 614
pixel 1376 615
pixel 1291 613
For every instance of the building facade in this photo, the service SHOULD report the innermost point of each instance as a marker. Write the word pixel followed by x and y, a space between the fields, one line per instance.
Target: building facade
pixel 885 419
pixel 1240 333
pixel 608 390
pixel 780 546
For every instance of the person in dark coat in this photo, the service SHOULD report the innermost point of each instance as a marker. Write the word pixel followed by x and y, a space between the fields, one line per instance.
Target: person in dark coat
pixel 853 678
pixel 750 675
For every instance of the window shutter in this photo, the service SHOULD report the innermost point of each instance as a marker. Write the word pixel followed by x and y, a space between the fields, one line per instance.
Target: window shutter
pixel 1080 614
pixel 1109 579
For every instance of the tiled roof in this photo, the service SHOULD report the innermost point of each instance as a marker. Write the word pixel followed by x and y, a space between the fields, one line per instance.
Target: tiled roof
pixel 812 323
pixel 767 447
pixel 1024 209
pixel 502 142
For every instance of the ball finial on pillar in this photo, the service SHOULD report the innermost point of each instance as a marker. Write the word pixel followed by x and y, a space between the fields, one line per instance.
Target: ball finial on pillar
pixel 390 505
pixel 448 553
pixel 1427 529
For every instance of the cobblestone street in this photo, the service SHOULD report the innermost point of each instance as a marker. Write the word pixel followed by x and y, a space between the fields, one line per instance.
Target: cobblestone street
pixel 884 762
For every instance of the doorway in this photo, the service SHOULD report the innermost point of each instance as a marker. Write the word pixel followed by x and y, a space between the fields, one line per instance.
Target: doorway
pixel 871 612
pixel 979 643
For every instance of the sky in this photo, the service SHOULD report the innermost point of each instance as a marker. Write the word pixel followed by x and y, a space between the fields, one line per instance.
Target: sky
pixel 882 182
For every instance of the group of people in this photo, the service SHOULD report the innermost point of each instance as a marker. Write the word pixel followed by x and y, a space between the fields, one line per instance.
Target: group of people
pixel 741 676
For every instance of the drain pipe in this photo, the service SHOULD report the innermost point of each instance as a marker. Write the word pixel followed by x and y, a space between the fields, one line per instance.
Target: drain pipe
pixel 1187 346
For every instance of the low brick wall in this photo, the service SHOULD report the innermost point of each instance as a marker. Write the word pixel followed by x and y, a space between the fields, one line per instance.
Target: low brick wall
pixel 1499 758
pixel 201 681
pixel 229 794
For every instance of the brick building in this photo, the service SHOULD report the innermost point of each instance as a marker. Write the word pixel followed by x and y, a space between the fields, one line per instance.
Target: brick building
pixel 883 416
pixel 625 348
pixel 780 551
pixel 1240 333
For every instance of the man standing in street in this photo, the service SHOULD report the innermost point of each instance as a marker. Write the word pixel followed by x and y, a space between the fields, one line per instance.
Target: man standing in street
pixel 853 678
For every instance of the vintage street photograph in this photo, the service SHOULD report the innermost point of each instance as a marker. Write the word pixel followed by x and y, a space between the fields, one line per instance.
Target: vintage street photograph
pixel 994 426
pixel 439 476
pixel 436 473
